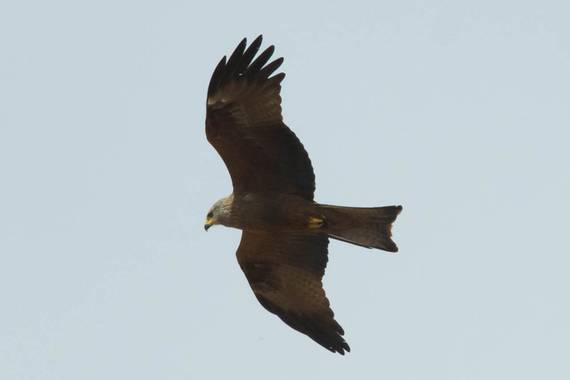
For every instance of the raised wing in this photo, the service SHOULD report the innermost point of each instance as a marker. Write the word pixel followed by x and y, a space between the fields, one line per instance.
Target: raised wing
pixel 244 124
pixel 285 272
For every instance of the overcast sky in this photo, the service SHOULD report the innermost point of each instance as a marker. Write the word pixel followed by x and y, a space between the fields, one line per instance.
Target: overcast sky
pixel 459 111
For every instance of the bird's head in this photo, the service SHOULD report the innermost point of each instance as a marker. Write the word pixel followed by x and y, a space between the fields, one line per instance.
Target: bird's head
pixel 218 213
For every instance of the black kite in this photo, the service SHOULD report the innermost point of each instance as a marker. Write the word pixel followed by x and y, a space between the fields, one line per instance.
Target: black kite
pixel 284 244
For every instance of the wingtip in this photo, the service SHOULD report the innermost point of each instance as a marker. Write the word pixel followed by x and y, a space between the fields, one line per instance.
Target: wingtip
pixel 221 62
pixel 390 247
pixel 343 349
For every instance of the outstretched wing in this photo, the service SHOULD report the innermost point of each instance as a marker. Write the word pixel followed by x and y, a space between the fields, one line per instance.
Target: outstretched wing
pixel 285 272
pixel 244 124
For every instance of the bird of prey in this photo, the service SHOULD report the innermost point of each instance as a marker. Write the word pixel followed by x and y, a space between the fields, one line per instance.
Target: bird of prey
pixel 285 233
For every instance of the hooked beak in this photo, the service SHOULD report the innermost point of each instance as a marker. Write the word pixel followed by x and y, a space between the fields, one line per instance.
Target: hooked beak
pixel 209 223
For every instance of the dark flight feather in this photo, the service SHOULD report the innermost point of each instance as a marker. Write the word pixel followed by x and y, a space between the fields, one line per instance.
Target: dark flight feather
pixel 245 125
pixel 285 272
pixel 260 61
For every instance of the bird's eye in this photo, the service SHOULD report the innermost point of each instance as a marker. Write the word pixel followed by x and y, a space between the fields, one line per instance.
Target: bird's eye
pixel 210 215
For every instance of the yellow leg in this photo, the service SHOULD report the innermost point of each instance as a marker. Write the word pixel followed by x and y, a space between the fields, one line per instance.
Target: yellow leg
pixel 316 222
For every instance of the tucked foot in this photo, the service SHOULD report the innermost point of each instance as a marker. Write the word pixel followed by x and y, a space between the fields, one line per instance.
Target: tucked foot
pixel 316 222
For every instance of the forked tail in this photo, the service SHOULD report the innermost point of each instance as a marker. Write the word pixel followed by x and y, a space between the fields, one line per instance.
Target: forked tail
pixel 369 227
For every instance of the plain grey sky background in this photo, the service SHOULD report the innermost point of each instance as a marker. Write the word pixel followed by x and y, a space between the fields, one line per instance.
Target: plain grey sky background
pixel 457 110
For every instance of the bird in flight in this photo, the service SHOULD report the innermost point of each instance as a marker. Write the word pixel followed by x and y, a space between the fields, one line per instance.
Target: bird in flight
pixel 285 233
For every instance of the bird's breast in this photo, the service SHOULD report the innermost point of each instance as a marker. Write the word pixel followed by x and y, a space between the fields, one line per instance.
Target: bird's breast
pixel 267 212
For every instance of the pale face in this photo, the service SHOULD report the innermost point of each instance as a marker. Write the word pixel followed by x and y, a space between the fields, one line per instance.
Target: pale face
pixel 210 219
pixel 213 214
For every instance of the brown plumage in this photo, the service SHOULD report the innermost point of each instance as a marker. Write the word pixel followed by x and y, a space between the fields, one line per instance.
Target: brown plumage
pixel 284 246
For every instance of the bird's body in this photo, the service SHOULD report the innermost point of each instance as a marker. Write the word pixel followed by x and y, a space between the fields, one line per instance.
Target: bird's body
pixel 284 246
pixel 269 212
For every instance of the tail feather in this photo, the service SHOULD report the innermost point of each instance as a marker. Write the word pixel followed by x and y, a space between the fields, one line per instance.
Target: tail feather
pixel 369 227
